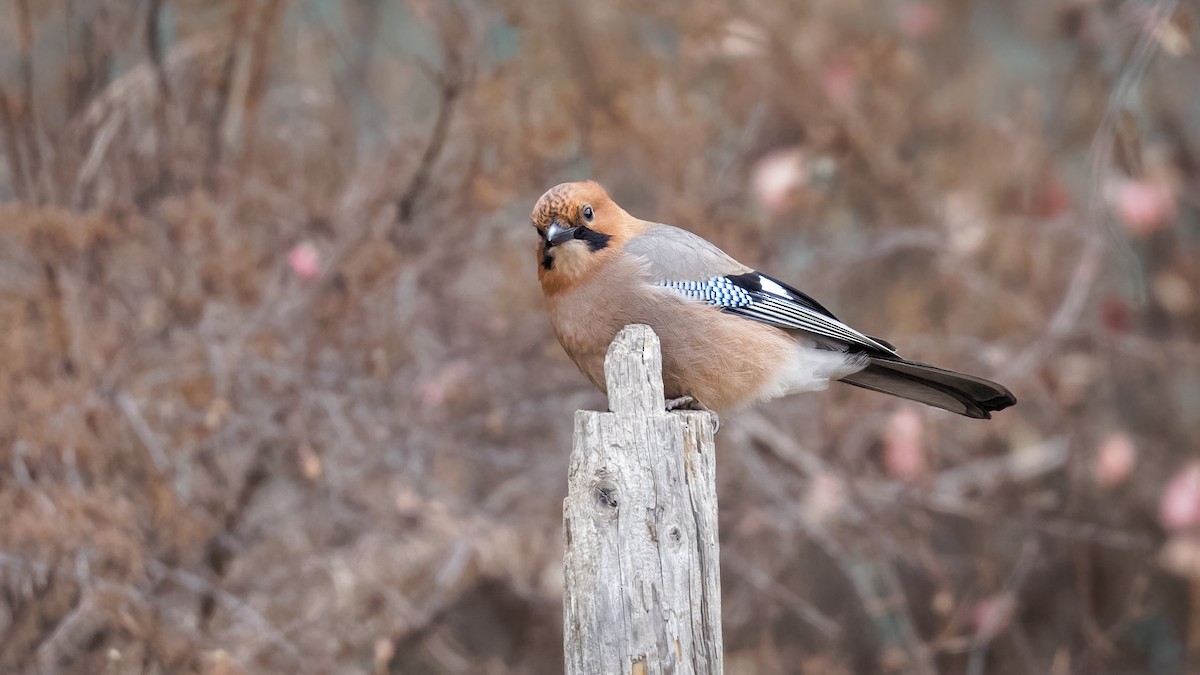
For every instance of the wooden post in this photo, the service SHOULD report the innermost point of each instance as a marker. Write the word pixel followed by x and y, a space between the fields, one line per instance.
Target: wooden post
pixel 642 562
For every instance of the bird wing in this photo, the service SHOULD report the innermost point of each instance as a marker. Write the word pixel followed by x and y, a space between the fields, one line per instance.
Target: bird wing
pixel 759 297
pixel 676 254
pixel 692 266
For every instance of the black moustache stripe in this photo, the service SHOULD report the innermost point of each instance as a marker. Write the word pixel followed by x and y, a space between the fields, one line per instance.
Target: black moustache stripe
pixel 596 241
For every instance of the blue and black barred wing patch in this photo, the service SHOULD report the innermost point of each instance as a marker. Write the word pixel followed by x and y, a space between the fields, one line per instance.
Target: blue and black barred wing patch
pixel 718 291
pixel 761 298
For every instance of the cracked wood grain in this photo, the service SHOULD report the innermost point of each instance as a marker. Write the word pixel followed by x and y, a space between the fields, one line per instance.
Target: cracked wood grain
pixel 642 559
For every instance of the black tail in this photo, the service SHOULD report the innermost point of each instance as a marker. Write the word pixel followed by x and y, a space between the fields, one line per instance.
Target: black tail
pixel 963 394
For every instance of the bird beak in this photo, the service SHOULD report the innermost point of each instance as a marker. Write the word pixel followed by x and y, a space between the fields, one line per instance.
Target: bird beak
pixel 557 234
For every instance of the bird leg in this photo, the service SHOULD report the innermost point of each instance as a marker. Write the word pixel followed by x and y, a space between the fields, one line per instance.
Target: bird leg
pixel 690 403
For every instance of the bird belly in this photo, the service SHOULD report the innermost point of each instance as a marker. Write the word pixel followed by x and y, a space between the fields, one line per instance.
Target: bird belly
pixel 722 360
pixel 727 362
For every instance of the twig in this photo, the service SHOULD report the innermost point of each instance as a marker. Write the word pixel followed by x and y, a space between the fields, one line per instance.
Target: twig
pixel 437 140
pixel 780 444
pixel 1030 462
pixel 451 82
pixel 71 469
pixel 154 49
pixel 25 114
pixel 256 82
pixel 96 156
pixel 1088 265
pixel 133 413
pixel 875 583
pixel 238 608
pixel 1012 586
pixel 223 91
pixel 55 649
pixel 767 585
pixel 1059 528
pixel 20 470
pixel 217 553
pixel 12 147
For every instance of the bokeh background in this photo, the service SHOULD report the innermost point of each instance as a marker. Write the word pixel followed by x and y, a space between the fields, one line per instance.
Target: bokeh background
pixel 277 394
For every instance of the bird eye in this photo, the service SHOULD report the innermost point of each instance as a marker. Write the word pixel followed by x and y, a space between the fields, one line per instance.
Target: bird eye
pixel 588 214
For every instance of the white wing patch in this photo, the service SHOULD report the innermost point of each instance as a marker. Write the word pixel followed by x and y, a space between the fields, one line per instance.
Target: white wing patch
pixel 770 286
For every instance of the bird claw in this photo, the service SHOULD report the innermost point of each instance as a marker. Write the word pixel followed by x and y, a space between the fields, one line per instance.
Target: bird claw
pixel 716 420
pixel 689 403
pixel 681 403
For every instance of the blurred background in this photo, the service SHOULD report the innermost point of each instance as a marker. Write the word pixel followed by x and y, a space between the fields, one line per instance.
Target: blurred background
pixel 279 395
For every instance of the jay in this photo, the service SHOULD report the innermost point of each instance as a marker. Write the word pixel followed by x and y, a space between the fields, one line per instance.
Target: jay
pixel 730 336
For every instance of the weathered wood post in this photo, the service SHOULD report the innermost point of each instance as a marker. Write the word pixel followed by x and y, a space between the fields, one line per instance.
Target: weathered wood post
pixel 642 562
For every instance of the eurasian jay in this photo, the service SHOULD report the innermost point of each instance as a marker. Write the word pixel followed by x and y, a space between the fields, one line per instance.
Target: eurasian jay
pixel 730 336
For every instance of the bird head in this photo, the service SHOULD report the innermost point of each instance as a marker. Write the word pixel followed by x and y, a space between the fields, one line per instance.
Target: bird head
pixel 579 227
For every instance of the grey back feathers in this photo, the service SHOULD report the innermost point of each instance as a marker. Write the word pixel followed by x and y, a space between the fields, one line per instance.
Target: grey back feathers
pixel 679 255
pixel 695 267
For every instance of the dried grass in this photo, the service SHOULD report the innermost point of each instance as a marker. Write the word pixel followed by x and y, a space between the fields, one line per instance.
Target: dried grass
pixel 212 463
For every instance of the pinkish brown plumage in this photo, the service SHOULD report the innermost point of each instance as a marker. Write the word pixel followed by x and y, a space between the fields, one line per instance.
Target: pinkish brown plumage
pixel 730 336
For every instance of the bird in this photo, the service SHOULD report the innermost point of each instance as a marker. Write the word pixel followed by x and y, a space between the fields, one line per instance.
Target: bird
pixel 731 336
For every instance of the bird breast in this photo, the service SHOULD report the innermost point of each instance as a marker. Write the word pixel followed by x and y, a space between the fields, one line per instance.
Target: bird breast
pixel 723 361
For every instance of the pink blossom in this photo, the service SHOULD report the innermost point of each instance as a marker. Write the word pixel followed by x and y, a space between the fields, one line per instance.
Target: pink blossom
pixel 1115 460
pixel 1181 555
pixel 839 81
pixel 993 614
pixel 305 260
pixel 385 649
pixel 826 496
pixel 903 446
pixel 777 176
pixel 918 20
pixel 1115 313
pixel 310 462
pixel 1053 199
pixel 1180 505
pixel 1143 206
pixel 450 379
pixel 1175 293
